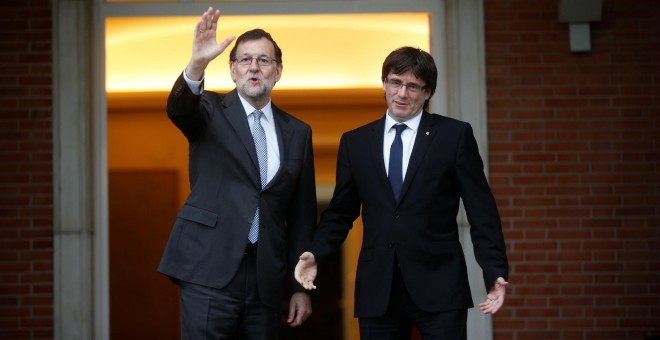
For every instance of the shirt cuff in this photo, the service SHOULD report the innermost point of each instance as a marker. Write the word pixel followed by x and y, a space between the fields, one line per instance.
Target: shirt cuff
pixel 196 86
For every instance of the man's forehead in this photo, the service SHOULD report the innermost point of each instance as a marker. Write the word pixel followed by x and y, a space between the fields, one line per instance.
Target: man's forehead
pixel 408 76
pixel 260 46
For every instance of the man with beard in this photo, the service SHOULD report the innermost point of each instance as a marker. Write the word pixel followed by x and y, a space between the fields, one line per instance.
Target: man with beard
pixel 252 205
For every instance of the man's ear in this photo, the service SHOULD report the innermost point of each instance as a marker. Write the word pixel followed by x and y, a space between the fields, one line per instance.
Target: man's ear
pixel 279 72
pixel 231 72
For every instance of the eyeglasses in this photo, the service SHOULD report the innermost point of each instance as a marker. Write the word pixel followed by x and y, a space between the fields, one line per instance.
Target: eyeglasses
pixel 396 84
pixel 261 61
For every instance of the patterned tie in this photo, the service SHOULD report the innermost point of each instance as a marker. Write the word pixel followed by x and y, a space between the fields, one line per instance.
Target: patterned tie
pixel 395 170
pixel 259 137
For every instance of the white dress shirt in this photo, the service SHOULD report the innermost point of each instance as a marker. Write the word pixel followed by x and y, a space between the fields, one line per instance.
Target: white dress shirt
pixel 407 137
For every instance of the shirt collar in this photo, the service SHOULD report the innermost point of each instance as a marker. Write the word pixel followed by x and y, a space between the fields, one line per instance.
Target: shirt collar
pixel 267 109
pixel 412 123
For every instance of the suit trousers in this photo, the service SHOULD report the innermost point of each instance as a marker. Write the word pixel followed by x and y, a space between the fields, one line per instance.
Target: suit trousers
pixel 402 314
pixel 233 312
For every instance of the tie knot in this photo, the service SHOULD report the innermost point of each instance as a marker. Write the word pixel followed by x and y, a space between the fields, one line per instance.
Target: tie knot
pixel 257 115
pixel 399 128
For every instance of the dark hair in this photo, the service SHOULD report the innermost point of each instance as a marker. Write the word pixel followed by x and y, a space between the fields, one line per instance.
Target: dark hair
pixel 255 34
pixel 420 63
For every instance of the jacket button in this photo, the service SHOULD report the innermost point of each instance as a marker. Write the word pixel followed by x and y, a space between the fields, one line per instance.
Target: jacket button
pixel 391 244
pixel 249 220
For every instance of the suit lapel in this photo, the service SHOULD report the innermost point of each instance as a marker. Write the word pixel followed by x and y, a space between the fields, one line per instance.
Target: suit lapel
pixel 376 140
pixel 284 133
pixel 425 134
pixel 237 118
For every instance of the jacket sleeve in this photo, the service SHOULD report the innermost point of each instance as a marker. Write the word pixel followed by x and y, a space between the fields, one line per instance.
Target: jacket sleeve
pixel 302 216
pixel 344 208
pixel 481 210
pixel 185 111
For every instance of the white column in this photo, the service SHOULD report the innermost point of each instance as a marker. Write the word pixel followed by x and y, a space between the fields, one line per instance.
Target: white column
pixel 466 83
pixel 72 229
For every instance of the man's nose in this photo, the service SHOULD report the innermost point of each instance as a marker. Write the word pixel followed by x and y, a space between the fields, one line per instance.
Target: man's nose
pixel 254 65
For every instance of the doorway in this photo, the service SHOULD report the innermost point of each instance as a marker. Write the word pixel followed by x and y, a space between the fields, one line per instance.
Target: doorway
pixel 86 311
pixel 342 93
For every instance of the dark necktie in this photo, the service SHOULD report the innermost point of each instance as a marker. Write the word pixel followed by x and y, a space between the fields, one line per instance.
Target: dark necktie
pixel 259 136
pixel 395 171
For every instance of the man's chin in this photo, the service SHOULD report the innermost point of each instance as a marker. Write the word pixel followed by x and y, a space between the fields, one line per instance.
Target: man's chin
pixel 254 91
pixel 398 115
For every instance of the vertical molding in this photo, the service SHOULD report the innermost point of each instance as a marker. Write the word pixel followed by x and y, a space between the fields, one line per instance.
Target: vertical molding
pixel 439 103
pixel 72 230
pixel 467 101
pixel 99 160
pixel 467 74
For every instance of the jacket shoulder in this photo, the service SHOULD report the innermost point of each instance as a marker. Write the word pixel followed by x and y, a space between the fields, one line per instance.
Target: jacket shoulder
pixel 438 118
pixel 290 118
pixel 376 124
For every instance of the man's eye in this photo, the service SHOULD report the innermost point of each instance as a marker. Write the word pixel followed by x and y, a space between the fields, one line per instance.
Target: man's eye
pixel 396 82
pixel 413 87
pixel 263 60
pixel 244 60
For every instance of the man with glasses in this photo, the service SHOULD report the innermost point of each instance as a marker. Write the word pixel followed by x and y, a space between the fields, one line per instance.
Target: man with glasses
pixel 252 205
pixel 406 174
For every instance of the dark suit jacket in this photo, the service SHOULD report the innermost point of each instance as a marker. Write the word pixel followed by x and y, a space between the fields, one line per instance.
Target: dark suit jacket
pixel 421 228
pixel 208 239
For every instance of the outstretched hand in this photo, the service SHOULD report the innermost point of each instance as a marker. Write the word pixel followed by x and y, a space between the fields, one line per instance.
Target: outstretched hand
pixel 495 297
pixel 305 271
pixel 205 46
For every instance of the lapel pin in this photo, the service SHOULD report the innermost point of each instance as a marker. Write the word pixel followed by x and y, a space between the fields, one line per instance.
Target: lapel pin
pixel 427 133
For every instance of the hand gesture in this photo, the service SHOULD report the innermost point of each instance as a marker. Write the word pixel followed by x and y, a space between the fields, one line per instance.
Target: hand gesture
pixel 205 46
pixel 495 297
pixel 305 271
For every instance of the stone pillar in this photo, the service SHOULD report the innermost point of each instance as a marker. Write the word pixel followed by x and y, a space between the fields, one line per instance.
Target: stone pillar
pixel 72 217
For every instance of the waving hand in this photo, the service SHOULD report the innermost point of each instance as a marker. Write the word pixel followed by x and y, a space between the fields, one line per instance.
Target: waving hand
pixel 205 46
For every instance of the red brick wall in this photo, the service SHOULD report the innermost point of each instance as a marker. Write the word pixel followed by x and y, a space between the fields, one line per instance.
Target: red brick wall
pixel 26 175
pixel 574 164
